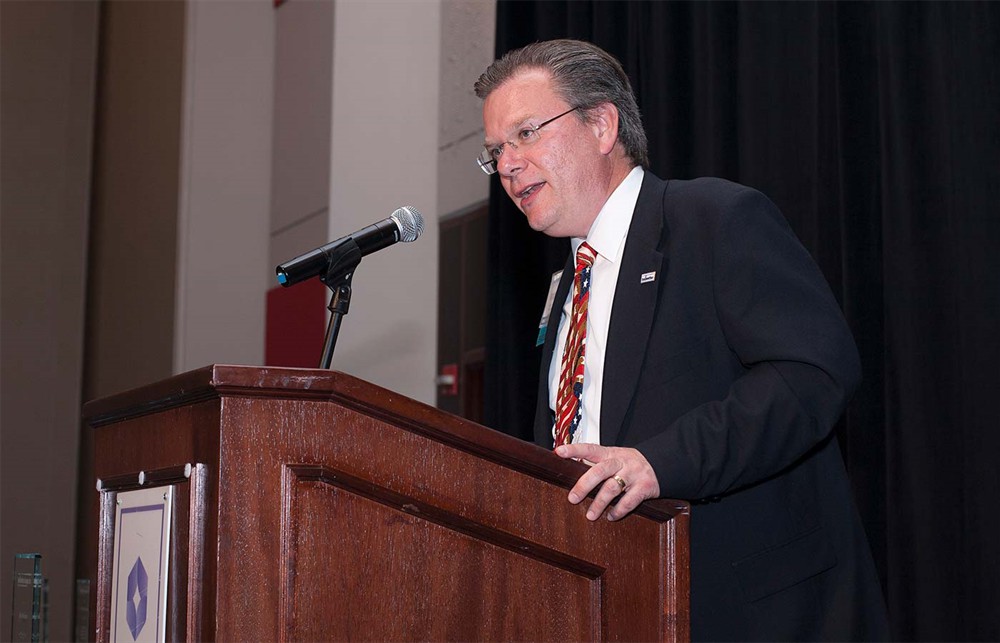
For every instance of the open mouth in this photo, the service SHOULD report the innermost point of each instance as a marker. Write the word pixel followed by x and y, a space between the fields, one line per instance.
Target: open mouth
pixel 528 191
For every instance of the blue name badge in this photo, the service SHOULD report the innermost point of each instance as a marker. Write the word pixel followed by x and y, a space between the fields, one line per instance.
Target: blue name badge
pixel 543 324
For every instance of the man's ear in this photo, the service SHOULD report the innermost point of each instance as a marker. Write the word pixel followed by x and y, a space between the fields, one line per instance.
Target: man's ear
pixel 604 120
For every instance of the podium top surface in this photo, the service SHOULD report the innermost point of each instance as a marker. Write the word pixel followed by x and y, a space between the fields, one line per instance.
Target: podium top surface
pixel 219 381
pixel 222 380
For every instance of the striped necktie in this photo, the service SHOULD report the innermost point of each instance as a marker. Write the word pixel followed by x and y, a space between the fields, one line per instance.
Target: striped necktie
pixel 568 406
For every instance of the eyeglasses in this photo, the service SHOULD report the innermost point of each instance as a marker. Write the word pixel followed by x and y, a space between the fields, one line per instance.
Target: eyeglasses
pixel 526 136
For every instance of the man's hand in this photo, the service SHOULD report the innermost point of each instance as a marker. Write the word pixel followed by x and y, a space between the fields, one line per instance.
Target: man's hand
pixel 618 471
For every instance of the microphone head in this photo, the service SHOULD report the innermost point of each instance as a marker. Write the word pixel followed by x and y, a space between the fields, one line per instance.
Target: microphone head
pixel 409 221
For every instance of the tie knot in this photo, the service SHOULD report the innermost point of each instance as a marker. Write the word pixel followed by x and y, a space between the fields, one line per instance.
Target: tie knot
pixel 585 256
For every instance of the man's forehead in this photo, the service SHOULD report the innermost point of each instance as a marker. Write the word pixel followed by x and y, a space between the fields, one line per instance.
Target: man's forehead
pixel 525 96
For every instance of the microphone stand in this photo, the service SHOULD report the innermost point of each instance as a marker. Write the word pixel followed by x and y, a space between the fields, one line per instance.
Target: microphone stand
pixel 339 273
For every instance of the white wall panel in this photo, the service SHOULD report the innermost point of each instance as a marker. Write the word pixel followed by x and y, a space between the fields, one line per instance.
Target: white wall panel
pixel 384 141
pixel 224 217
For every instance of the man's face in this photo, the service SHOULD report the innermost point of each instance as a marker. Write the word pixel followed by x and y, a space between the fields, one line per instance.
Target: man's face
pixel 559 182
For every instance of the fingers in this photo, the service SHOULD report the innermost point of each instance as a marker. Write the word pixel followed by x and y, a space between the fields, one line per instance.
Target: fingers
pixel 581 451
pixel 609 465
pixel 627 504
pixel 609 490
pixel 597 474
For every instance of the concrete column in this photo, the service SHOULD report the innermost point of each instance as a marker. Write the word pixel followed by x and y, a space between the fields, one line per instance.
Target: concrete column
pixel 225 184
pixel 384 141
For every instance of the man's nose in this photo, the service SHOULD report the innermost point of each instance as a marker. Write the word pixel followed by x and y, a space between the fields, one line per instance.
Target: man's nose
pixel 511 161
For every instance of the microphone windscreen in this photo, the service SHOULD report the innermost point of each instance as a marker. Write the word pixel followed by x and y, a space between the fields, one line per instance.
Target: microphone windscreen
pixel 409 221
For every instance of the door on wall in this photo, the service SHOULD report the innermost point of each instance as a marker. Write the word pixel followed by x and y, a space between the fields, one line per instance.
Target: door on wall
pixel 462 313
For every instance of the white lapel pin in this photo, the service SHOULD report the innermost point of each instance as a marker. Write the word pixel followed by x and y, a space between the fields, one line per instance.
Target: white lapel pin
pixel 647 277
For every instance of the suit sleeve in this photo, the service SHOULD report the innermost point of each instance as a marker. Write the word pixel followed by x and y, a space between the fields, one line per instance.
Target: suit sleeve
pixel 800 363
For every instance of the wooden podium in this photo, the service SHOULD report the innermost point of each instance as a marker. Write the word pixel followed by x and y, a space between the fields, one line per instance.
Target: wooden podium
pixel 310 505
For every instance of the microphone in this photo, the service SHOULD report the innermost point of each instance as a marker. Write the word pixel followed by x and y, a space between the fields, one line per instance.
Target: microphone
pixel 405 224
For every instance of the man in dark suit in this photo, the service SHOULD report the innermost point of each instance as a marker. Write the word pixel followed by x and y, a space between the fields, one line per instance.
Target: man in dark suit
pixel 700 354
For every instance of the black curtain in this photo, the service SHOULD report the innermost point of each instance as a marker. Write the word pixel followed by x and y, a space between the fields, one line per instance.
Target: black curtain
pixel 875 127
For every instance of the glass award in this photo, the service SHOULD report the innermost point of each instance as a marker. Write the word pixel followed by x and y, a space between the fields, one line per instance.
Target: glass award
pixel 81 625
pixel 28 618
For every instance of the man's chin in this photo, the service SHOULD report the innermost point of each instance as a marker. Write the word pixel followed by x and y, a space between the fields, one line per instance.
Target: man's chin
pixel 545 222
pixel 547 228
pixel 537 224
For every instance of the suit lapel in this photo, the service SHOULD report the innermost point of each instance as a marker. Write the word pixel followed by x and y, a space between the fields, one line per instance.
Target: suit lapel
pixel 633 309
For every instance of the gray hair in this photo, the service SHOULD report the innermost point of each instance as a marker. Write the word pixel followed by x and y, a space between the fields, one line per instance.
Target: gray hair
pixel 585 76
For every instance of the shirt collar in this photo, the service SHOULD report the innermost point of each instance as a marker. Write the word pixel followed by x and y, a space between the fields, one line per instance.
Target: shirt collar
pixel 610 228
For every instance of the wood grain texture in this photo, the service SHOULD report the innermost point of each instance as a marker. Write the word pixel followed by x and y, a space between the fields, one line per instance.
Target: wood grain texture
pixel 105 541
pixel 198 513
pixel 400 596
pixel 335 509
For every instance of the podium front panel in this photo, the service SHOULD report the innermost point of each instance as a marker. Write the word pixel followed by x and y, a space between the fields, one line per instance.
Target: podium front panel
pixel 339 510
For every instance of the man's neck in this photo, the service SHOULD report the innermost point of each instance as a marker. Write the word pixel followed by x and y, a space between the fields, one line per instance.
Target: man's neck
pixel 619 171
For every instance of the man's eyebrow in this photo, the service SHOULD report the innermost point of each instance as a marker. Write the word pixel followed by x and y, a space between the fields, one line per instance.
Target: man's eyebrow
pixel 521 122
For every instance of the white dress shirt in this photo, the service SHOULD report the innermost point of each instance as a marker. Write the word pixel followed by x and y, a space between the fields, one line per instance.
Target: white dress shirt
pixel 607 237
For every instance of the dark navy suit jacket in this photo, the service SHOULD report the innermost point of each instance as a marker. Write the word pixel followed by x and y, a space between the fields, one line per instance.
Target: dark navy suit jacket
pixel 728 371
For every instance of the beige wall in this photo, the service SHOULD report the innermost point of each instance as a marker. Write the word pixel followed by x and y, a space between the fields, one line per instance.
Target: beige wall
pixel 467 28
pixel 133 236
pixel 225 184
pixel 383 156
pixel 303 93
pixel 182 190
pixel 47 93
pixel 379 95
pixel 230 136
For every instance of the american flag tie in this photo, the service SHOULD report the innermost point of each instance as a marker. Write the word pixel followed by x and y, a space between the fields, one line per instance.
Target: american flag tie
pixel 568 407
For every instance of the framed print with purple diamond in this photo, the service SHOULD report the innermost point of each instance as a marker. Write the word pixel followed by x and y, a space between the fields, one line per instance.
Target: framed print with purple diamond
pixel 140 559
